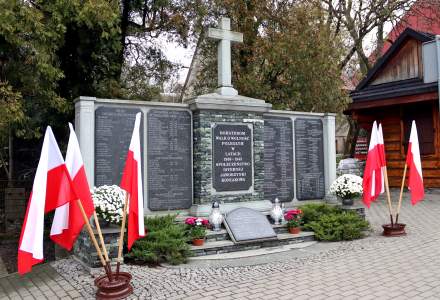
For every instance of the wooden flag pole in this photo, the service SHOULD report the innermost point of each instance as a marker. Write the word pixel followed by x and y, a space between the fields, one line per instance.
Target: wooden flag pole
pixel 401 193
pixel 387 189
pixel 101 240
pixel 121 237
pixel 92 236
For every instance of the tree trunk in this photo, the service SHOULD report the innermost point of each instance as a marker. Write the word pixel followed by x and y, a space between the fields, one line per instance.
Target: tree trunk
pixel 11 158
pixel 125 19
pixel 379 37
pixel 352 136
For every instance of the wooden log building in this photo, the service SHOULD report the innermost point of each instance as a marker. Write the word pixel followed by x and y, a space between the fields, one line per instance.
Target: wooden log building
pixel 403 86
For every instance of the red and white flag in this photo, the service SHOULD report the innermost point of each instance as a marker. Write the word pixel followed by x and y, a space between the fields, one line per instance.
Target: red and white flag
pixel 68 220
pixel 415 182
pixel 131 182
pixel 373 170
pixel 52 188
pixel 383 162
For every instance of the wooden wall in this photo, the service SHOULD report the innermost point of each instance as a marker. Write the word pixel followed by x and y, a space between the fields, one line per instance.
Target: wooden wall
pixel 406 64
pixel 393 129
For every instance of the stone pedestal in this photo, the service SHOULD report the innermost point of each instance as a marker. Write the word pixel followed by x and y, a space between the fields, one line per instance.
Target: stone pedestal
pixel 213 110
pixel 85 252
pixel 359 209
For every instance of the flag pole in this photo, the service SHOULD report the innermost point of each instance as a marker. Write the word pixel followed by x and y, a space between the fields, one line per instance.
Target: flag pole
pixel 101 240
pixel 92 236
pixel 387 188
pixel 401 193
pixel 121 238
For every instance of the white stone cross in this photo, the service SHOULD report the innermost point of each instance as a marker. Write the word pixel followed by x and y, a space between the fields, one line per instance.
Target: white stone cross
pixel 226 36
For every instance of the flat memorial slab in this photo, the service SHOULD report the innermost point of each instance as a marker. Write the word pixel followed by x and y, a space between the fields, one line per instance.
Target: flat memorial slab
pixel 246 225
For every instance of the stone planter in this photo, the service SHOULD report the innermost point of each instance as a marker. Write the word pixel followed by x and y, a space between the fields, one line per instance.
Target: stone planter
pixel 294 230
pixel 84 250
pixel 346 202
pixel 198 242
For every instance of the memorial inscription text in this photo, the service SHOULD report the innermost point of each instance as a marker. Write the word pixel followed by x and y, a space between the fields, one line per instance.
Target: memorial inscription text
pixel 232 158
pixel 309 159
pixel 169 159
pixel 278 159
pixel 113 129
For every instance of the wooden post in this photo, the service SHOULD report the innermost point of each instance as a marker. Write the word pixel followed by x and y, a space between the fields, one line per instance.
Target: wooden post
pixel 401 193
pixel 92 236
pixel 101 240
pixel 387 189
pixel 121 237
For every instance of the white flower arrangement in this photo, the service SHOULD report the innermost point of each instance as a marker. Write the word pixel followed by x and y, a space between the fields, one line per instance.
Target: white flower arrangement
pixel 109 202
pixel 347 186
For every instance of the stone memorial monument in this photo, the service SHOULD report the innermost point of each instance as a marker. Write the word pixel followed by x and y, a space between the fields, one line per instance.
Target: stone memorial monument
pixel 214 147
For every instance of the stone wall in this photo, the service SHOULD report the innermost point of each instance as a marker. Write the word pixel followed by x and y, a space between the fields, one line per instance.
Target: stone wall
pixel 86 252
pixel 202 151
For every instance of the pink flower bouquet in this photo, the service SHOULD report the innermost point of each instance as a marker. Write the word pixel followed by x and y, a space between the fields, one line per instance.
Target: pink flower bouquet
pixel 293 218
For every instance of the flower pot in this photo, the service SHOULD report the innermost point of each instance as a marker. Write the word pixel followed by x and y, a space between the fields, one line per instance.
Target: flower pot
pixel 294 230
pixel 198 242
pixel 102 223
pixel 347 202
pixel 394 230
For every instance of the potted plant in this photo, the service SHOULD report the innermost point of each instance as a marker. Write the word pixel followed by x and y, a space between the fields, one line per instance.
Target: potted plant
pixel 347 187
pixel 197 230
pixel 293 218
pixel 109 202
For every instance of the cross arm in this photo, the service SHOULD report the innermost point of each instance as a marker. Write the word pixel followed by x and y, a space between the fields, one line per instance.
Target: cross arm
pixel 221 34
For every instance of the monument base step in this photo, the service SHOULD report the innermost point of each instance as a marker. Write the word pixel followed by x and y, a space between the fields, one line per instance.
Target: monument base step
pixel 253 253
pixel 215 247
pixel 223 235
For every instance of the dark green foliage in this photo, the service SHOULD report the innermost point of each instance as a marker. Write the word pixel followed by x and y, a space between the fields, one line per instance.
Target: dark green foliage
pixel 166 241
pixel 313 211
pixel 342 226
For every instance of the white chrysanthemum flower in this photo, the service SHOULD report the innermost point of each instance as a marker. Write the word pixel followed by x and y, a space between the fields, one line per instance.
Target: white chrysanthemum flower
pixel 347 186
pixel 109 201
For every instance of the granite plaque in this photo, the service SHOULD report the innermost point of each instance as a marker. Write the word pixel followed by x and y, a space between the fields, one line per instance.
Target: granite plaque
pixel 232 169
pixel 278 159
pixel 169 159
pixel 113 130
pixel 309 159
pixel 248 225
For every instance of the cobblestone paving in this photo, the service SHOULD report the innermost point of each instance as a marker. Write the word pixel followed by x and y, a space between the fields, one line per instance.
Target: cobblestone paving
pixel 42 283
pixel 372 268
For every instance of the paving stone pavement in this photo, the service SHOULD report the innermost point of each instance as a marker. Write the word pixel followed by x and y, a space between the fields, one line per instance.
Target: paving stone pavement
pixel 372 268
pixel 42 283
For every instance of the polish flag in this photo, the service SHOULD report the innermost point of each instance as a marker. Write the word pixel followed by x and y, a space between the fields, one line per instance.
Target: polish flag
pixel 373 170
pixel 52 188
pixel 415 182
pixel 68 220
pixel 131 182
pixel 383 162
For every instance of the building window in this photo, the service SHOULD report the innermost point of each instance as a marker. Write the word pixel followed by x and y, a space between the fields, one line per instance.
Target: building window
pixel 423 115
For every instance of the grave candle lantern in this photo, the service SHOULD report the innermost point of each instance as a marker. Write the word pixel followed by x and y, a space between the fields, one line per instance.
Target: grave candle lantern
pixel 276 213
pixel 216 217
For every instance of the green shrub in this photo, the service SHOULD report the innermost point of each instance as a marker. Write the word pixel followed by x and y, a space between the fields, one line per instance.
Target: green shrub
pixel 313 211
pixel 338 226
pixel 166 241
